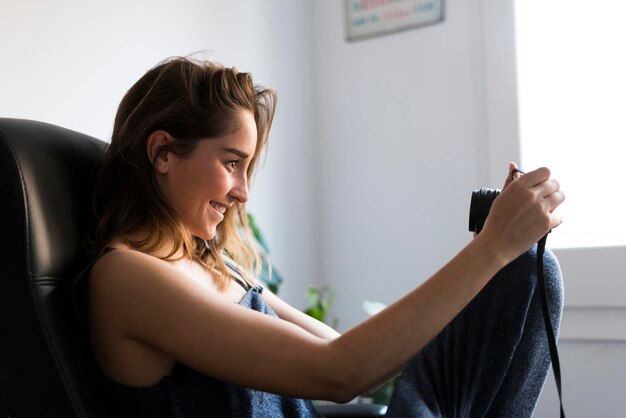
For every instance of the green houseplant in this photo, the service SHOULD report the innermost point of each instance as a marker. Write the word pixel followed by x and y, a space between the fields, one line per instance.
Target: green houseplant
pixel 270 276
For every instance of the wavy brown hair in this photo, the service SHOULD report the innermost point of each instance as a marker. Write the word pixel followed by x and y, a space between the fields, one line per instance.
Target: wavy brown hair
pixel 192 101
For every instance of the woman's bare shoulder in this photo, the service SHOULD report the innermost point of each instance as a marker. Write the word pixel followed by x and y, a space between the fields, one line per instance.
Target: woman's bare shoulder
pixel 118 279
pixel 140 298
pixel 120 261
pixel 120 269
pixel 127 278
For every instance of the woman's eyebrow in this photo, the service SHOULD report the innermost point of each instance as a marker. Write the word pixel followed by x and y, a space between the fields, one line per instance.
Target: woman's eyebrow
pixel 237 152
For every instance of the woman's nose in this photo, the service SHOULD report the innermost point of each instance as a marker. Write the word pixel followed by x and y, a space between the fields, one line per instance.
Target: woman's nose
pixel 239 191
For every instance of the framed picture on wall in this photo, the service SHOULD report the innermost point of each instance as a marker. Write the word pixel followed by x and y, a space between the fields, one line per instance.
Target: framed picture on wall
pixel 369 18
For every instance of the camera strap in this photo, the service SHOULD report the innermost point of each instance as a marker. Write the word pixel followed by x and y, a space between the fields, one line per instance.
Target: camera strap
pixel 541 282
pixel 554 355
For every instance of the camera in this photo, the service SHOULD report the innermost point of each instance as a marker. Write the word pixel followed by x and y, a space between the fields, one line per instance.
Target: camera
pixel 480 205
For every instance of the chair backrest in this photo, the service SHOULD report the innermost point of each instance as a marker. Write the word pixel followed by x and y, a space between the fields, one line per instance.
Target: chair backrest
pixel 46 175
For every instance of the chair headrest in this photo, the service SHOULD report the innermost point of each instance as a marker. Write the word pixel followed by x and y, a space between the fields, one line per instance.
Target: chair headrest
pixel 47 175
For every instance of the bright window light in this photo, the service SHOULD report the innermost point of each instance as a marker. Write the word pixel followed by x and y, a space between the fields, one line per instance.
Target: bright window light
pixel 571 70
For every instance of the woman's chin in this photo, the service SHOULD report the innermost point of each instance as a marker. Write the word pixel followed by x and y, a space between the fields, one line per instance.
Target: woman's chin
pixel 205 234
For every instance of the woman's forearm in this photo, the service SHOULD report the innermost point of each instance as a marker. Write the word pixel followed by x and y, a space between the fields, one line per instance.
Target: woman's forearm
pixel 380 346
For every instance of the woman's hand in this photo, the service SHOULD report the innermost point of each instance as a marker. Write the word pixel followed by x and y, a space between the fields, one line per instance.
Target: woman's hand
pixel 523 212
pixel 511 176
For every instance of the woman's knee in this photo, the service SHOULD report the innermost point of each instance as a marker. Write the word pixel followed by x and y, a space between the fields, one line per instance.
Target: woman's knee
pixel 552 271
pixel 522 275
pixel 527 265
pixel 554 286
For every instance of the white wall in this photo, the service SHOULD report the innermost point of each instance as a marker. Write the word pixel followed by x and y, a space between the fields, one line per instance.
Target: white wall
pixel 69 62
pixel 400 150
pixel 592 373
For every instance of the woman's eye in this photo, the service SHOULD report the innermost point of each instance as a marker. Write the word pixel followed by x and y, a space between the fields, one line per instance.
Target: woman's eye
pixel 232 164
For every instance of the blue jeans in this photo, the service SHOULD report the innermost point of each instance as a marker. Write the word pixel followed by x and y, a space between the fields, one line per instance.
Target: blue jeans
pixel 492 359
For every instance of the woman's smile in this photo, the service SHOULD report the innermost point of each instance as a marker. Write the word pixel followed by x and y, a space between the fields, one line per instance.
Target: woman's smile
pixel 218 207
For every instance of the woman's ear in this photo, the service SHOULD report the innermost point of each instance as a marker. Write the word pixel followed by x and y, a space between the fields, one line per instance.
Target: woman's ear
pixel 157 155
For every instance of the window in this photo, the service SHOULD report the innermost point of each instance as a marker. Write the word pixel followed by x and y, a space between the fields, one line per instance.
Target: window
pixel 554 94
pixel 571 87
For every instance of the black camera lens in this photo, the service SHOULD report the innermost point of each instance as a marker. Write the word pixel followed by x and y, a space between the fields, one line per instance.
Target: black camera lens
pixel 480 205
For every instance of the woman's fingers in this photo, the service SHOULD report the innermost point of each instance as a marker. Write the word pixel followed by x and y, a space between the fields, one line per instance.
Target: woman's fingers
pixel 548 193
pixel 525 210
pixel 548 187
pixel 511 175
pixel 554 200
pixel 535 177
pixel 547 190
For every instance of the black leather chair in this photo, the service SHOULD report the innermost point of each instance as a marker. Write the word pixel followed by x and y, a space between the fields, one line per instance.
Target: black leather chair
pixel 46 175
pixel 45 184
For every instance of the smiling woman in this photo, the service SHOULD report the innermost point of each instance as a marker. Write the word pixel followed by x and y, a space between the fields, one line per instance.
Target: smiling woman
pixel 180 327
pixel 155 131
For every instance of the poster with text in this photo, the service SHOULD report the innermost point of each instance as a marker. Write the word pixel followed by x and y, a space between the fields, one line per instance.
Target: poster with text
pixel 368 18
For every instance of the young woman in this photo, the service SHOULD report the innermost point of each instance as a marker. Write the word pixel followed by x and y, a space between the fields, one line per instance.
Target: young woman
pixel 180 327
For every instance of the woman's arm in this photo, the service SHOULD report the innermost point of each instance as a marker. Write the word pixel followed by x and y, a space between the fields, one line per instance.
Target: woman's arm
pixel 135 297
pixel 519 217
pixel 293 315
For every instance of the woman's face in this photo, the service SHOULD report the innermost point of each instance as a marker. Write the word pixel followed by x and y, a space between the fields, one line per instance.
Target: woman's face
pixel 204 184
